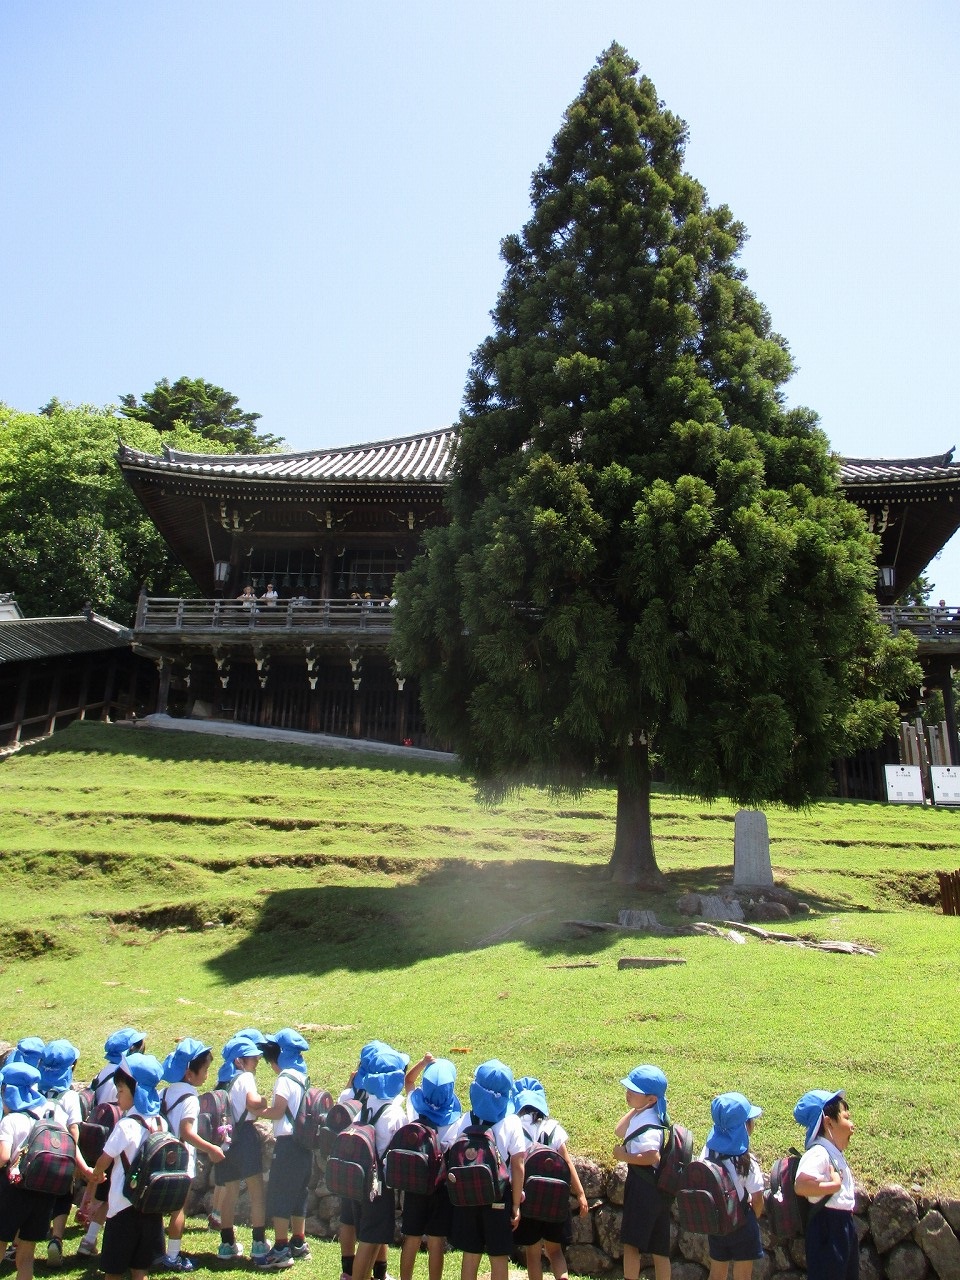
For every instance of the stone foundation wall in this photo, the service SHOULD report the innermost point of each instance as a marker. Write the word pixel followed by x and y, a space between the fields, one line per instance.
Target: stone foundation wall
pixel 901 1237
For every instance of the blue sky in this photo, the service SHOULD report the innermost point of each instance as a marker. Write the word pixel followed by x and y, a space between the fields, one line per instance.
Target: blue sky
pixel 302 201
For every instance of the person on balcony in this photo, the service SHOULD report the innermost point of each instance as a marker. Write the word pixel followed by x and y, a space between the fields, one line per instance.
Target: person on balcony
pixel 247 598
pixel 270 596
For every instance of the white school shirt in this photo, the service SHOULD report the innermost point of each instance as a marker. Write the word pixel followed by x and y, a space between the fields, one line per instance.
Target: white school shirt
pixel 650 1139
pixel 547 1132
pixel 746 1186
pixel 125 1139
pixel 243 1084
pixel 15 1129
pixel 181 1102
pixel 289 1086
pixel 816 1161
pixel 104 1089
pixel 394 1117
pixel 66 1109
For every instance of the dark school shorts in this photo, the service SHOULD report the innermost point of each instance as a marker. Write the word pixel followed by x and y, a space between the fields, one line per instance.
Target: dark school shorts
pixel 376 1219
pixel 427 1215
pixel 484 1230
pixel 646 1214
pixel 289 1175
pixel 244 1159
pixel 349 1212
pixel 832 1249
pixel 132 1241
pixel 532 1231
pixel 742 1245
pixel 26 1213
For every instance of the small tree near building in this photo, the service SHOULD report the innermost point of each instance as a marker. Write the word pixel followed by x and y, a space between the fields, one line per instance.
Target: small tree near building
pixel 648 553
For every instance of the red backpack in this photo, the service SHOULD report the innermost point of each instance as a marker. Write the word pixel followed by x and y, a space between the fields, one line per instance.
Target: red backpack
pixel 676 1152
pixel 413 1161
pixel 476 1174
pixel 214 1115
pixel 353 1166
pixel 707 1201
pixel 310 1120
pixel 546 1184
pixel 95 1130
pixel 48 1159
pixel 788 1213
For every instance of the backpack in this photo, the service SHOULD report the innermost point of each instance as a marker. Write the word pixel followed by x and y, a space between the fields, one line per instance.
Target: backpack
pixel 676 1152
pixel 156 1179
pixel 48 1159
pixel 95 1130
pixel 87 1097
pixel 353 1166
pixel 788 1213
pixel 214 1116
pixel 338 1117
pixel 413 1161
pixel 476 1174
pixel 546 1184
pixel 311 1113
pixel 708 1201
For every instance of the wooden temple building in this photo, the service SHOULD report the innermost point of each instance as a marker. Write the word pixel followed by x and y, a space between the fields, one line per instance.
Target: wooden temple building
pixel 331 528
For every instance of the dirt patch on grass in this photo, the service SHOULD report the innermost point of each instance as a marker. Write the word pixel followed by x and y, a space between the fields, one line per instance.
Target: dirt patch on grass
pixel 184 916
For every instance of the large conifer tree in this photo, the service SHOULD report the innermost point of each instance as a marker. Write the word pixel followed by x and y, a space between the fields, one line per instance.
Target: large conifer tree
pixel 648 551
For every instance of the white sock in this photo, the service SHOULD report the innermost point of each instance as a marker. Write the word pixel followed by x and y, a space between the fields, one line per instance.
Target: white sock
pixel 91 1233
pixel 173 1248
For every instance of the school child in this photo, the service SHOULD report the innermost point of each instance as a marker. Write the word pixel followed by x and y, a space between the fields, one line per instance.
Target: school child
pixel 131 1239
pixel 28 1050
pixel 24 1215
pixel 825 1179
pixel 435 1103
pixel 225 1077
pixel 646 1210
pixel 349 1209
pixel 728 1143
pixel 530 1100
pixel 57 1062
pixel 94 1206
pixel 489 1229
pixel 244 1159
pixel 185 1070
pixel 292 1164
pixel 381 1080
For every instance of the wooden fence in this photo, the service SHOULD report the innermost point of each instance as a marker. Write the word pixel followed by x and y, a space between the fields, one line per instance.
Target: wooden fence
pixel 950 892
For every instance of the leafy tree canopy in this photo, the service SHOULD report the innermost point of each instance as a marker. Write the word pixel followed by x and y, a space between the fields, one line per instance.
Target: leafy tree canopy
pixel 207 410
pixel 71 529
pixel 648 552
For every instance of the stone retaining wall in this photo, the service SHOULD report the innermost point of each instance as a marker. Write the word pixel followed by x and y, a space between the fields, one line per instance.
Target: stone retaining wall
pixel 901 1237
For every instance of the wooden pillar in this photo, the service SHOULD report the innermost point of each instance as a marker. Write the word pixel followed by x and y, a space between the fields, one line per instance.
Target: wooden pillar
pixel 165 669
pixel 108 687
pixel 53 701
pixel 84 687
pixel 21 705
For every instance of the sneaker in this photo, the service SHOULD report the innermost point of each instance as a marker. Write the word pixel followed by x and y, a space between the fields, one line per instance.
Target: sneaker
pixel 54 1252
pixel 11 1253
pixel 180 1263
pixel 259 1250
pixel 87 1249
pixel 234 1250
pixel 276 1259
pixel 301 1251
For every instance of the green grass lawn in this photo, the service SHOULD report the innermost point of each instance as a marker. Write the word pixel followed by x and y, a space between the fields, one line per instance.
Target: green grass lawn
pixel 194 885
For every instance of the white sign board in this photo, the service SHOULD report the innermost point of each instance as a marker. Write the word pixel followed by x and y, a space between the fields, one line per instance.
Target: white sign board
pixel 904 783
pixel 946 784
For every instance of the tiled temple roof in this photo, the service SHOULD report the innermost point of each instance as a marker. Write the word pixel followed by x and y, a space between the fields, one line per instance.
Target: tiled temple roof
pixel 892 470
pixel 24 639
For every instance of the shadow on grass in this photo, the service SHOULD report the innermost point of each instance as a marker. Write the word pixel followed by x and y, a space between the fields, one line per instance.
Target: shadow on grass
pixel 452 909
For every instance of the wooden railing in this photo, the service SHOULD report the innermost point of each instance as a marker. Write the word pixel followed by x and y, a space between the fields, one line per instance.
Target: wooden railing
pixel 949 892
pixel 926 621
pixel 171 614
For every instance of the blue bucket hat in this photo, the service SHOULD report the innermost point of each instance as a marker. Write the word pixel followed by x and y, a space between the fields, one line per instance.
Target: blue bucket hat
pixel 435 1097
pixel 730 1113
pixel 56 1066
pixel 227 1074
pixel 292 1048
pixel 29 1050
pixel 175 1064
pixel 648 1079
pixel 21 1087
pixel 491 1093
pixel 241 1046
pixel 809 1110
pixel 529 1092
pixel 252 1033
pixel 121 1042
pixel 147 1072
pixel 381 1071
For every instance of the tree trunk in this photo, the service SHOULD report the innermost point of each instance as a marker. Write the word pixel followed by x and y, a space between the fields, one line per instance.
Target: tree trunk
pixel 633 861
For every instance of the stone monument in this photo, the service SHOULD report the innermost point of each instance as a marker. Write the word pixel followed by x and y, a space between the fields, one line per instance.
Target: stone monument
pixel 751 851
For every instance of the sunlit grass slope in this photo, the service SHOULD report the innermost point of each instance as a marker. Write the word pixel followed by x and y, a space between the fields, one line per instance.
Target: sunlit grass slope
pixel 192 885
